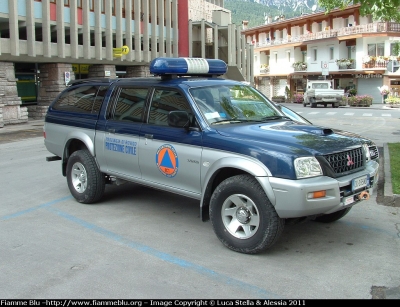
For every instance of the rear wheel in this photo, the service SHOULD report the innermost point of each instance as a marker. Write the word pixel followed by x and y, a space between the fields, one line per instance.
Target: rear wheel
pixel 313 104
pixel 85 181
pixel 333 217
pixel 242 216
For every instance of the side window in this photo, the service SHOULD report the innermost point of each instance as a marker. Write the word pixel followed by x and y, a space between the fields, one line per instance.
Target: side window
pixel 163 102
pixel 82 99
pixel 130 104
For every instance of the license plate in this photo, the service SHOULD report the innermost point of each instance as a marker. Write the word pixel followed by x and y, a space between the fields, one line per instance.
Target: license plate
pixel 348 200
pixel 360 182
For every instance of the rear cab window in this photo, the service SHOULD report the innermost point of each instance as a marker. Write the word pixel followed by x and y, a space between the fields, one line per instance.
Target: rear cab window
pixel 84 99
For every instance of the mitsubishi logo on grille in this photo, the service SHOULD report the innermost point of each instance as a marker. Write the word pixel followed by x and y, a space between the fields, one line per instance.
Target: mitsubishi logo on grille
pixel 349 161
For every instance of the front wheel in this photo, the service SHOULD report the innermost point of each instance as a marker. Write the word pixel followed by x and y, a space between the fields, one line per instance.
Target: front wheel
pixel 85 181
pixel 333 217
pixel 242 216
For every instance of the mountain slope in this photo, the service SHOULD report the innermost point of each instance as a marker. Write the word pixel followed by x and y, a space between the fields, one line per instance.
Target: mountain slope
pixel 254 11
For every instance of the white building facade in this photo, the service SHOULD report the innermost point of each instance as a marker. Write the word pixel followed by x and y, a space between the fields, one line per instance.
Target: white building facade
pixel 352 51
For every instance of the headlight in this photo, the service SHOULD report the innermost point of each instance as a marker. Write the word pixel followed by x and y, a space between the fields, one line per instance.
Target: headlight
pixel 307 167
pixel 367 153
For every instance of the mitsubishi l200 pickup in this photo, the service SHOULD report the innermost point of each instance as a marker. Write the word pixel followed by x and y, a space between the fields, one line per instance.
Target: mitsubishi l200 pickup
pixel 187 130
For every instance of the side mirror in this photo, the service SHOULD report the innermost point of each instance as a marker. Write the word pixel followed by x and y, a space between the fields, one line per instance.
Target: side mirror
pixel 178 119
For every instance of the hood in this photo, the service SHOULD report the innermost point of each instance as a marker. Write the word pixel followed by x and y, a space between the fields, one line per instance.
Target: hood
pixel 310 138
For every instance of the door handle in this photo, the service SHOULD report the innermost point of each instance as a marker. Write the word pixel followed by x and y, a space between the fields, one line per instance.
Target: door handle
pixel 148 136
pixel 111 130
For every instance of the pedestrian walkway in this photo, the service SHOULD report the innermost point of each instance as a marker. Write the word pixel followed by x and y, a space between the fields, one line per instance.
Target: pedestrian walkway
pixel 348 113
pixel 31 124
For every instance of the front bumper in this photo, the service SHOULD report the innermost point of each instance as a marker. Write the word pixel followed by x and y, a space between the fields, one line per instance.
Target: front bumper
pixel 290 197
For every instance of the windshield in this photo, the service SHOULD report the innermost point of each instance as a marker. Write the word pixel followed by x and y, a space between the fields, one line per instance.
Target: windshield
pixel 293 115
pixel 232 104
pixel 320 85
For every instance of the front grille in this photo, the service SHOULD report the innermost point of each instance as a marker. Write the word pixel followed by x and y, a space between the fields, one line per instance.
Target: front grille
pixel 346 161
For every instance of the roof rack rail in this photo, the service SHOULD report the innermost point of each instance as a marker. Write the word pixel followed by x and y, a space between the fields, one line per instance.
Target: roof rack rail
pixel 99 80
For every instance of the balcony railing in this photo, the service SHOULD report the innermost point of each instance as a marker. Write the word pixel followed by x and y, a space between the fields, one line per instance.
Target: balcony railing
pixel 375 64
pixel 342 66
pixel 377 27
pixel 300 68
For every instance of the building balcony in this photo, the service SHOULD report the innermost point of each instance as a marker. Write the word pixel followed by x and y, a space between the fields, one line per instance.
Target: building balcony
pixel 346 64
pixel 377 27
pixel 375 64
pixel 264 69
pixel 300 68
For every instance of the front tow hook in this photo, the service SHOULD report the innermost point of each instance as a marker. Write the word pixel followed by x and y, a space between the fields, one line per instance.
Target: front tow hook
pixel 364 195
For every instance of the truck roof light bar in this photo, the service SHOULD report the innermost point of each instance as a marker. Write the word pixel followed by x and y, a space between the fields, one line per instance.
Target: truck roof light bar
pixel 164 66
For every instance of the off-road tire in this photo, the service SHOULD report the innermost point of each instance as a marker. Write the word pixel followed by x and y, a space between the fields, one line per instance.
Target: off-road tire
pixel 239 197
pixel 85 181
pixel 333 217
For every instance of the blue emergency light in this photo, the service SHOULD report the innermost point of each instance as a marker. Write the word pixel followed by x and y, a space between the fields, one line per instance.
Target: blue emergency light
pixel 187 66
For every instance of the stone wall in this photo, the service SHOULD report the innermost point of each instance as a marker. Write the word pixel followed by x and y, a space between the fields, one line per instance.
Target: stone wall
pixel 102 71
pixel 52 83
pixel 138 71
pixel 11 111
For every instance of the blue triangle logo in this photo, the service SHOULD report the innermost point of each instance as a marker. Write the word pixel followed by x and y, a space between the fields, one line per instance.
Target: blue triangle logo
pixel 166 160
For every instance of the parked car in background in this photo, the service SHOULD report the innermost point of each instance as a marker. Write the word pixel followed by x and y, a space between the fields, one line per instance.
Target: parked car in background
pixel 321 92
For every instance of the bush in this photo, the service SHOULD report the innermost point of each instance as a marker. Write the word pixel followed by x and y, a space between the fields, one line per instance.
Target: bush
pixel 359 100
pixel 298 98
pixel 392 100
pixel 352 92
pixel 288 93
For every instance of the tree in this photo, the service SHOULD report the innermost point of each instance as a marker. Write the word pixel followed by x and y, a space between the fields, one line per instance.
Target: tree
pixel 383 10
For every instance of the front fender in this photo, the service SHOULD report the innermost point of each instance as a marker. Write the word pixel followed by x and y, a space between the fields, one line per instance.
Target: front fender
pixel 240 164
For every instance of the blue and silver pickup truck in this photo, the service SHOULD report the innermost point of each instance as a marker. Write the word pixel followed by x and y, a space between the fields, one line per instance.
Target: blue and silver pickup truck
pixel 189 131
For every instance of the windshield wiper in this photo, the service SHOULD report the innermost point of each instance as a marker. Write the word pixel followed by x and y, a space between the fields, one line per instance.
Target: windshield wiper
pixel 274 117
pixel 226 121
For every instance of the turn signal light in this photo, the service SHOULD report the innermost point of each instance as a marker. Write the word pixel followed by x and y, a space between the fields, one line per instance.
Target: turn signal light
pixel 317 194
